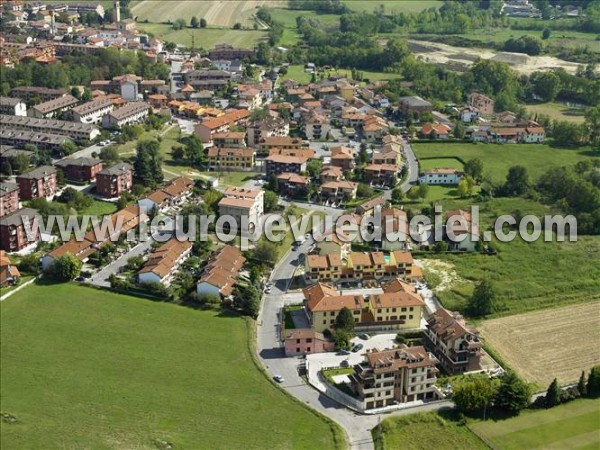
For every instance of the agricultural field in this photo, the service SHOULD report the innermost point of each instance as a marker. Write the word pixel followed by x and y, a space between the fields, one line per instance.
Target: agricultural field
pixel 215 12
pixel 297 72
pixel 526 276
pixel 557 111
pixel 205 38
pixel 571 426
pixel 85 368
pixel 497 159
pixel 425 430
pixel 555 342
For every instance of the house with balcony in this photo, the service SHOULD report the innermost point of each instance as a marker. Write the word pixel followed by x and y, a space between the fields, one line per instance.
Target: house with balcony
pixel 82 250
pixel 222 124
pixel 331 174
pixel 219 275
pixel 13 235
pixel 322 304
pixel 164 262
pixel 381 174
pixel 93 111
pixel 112 181
pixel 37 183
pixel 243 205
pixel 130 114
pixel 442 175
pixel 13 106
pixel 338 191
pixel 52 108
pixel 268 143
pixel 80 169
pixel 278 163
pixel 236 158
pixel 455 344
pixel 342 157
pixel 399 375
pixel 9 198
pixel 316 126
pixel 306 341
pixel 293 184
pixel 229 139
pixel 257 130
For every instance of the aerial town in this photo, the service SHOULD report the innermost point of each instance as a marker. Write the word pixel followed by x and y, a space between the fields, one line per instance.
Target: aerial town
pixel 124 124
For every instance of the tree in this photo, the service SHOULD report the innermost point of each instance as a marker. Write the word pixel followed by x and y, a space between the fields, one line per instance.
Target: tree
pixel 413 193
pixel 459 131
pixel 247 299
pixel 581 387
pixel 203 23
pixel 344 320
pixel 177 153
pixel 423 190
pixel 474 396
pixel 363 156
pixel 265 251
pixel 482 301
pixel 364 191
pixel 67 148
pixel 517 181
pixel 212 198
pixel 6 168
pixel 109 155
pixel 194 22
pixel 147 165
pixel 237 26
pixel 593 382
pixel 513 393
pixel 592 123
pixel 341 339
pixel 179 24
pixel 546 33
pixel 314 167
pixel 463 188
pixel 270 201
pixel 194 150
pixel 552 397
pixel 397 195
pixel 66 267
pixel 474 168
pixel 545 85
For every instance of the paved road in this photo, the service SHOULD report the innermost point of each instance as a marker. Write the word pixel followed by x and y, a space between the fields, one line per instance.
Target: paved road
pixel 86 152
pixel 413 168
pixel 271 354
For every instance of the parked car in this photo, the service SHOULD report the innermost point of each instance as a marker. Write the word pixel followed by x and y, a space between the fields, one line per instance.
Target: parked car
pixel 344 352
pixel 279 378
pixel 268 290
pixel 345 363
pixel 364 336
pixel 357 348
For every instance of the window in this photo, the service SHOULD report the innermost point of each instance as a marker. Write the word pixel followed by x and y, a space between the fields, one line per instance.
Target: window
pixel 297 349
pixel 410 317
pixel 403 309
pixel 308 340
pixel 332 313
pixel 325 322
pixel 297 341
pixel 393 309
pixel 308 349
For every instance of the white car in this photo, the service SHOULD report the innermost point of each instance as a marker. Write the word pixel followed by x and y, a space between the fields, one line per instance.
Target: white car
pixel 278 378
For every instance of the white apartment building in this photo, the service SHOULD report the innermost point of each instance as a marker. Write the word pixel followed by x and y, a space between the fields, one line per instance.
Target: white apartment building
pixel 92 112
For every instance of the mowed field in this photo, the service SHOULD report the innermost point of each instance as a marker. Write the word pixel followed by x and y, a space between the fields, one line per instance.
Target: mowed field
pixel 83 368
pixel 222 13
pixel 575 425
pixel 542 345
pixel 558 111
pixel 392 6
pixel 497 159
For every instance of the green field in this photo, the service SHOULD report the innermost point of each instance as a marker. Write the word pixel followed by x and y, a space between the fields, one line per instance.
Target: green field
pixel 497 159
pixel 83 368
pixel 424 431
pixel 437 163
pixel 205 38
pixel 100 208
pixel 526 276
pixel 230 178
pixel 393 6
pixel 575 425
pixel 558 111
pixel 297 72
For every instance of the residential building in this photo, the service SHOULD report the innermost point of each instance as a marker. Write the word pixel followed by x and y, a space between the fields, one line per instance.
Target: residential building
pixel 112 181
pixel 13 235
pixel 305 341
pixel 163 262
pixel 173 193
pixel 219 276
pixel 26 93
pixel 131 113
pixel 82 250
pixel 252 98
pixel 240 158
pixel 281 142
pixel 9 274
pixel 442 175
pixel 342 157
pixel 9 198
pixel 228 52
pixel 435 131
pixel 414 104
pixel 13 106
pixel 322 303
pixel 316 126
pixel 368 208
pixel 381 174
pixel 267 127
pixel 80 169
pixel 37 183
pixel 243 205
pixel 461 232
pixel 331 173
pixel 276 164
pixel 93 111
pixel 292 183
pixel 395 231
pixel 533 135
pixel 74 131
pixel 303 152
pixel 8 153
pixel 209 127
pixel 468 114
pixel 52 108
pixel 20 138
pixel 387 157
pixel 455 344
pixel 338 191
pixel 229 139
pixel 483 103
pixel 399 375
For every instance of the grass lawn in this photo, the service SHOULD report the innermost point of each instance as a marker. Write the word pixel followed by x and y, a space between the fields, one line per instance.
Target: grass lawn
pixel 424 430
pixel 84 368
pixel 204 37
pixel 558 111
pixel 100 208
pixel 392 6
pixel 573 426
pixel 526 276
pixel 24 279
pixel 297 73
pixel 497 159
pixel 437 163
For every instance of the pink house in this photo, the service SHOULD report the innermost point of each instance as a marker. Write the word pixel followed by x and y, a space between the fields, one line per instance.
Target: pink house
pixel 303 341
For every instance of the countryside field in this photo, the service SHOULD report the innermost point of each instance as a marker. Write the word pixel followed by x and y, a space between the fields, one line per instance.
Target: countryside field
pixel 393 6
pixel 83 368
pixel 555 342
pixel 571 426
pixel 558 111
pixel 205 38
pixel 497 159
pixel 297 72
pixel 215 12
pixel 425 431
